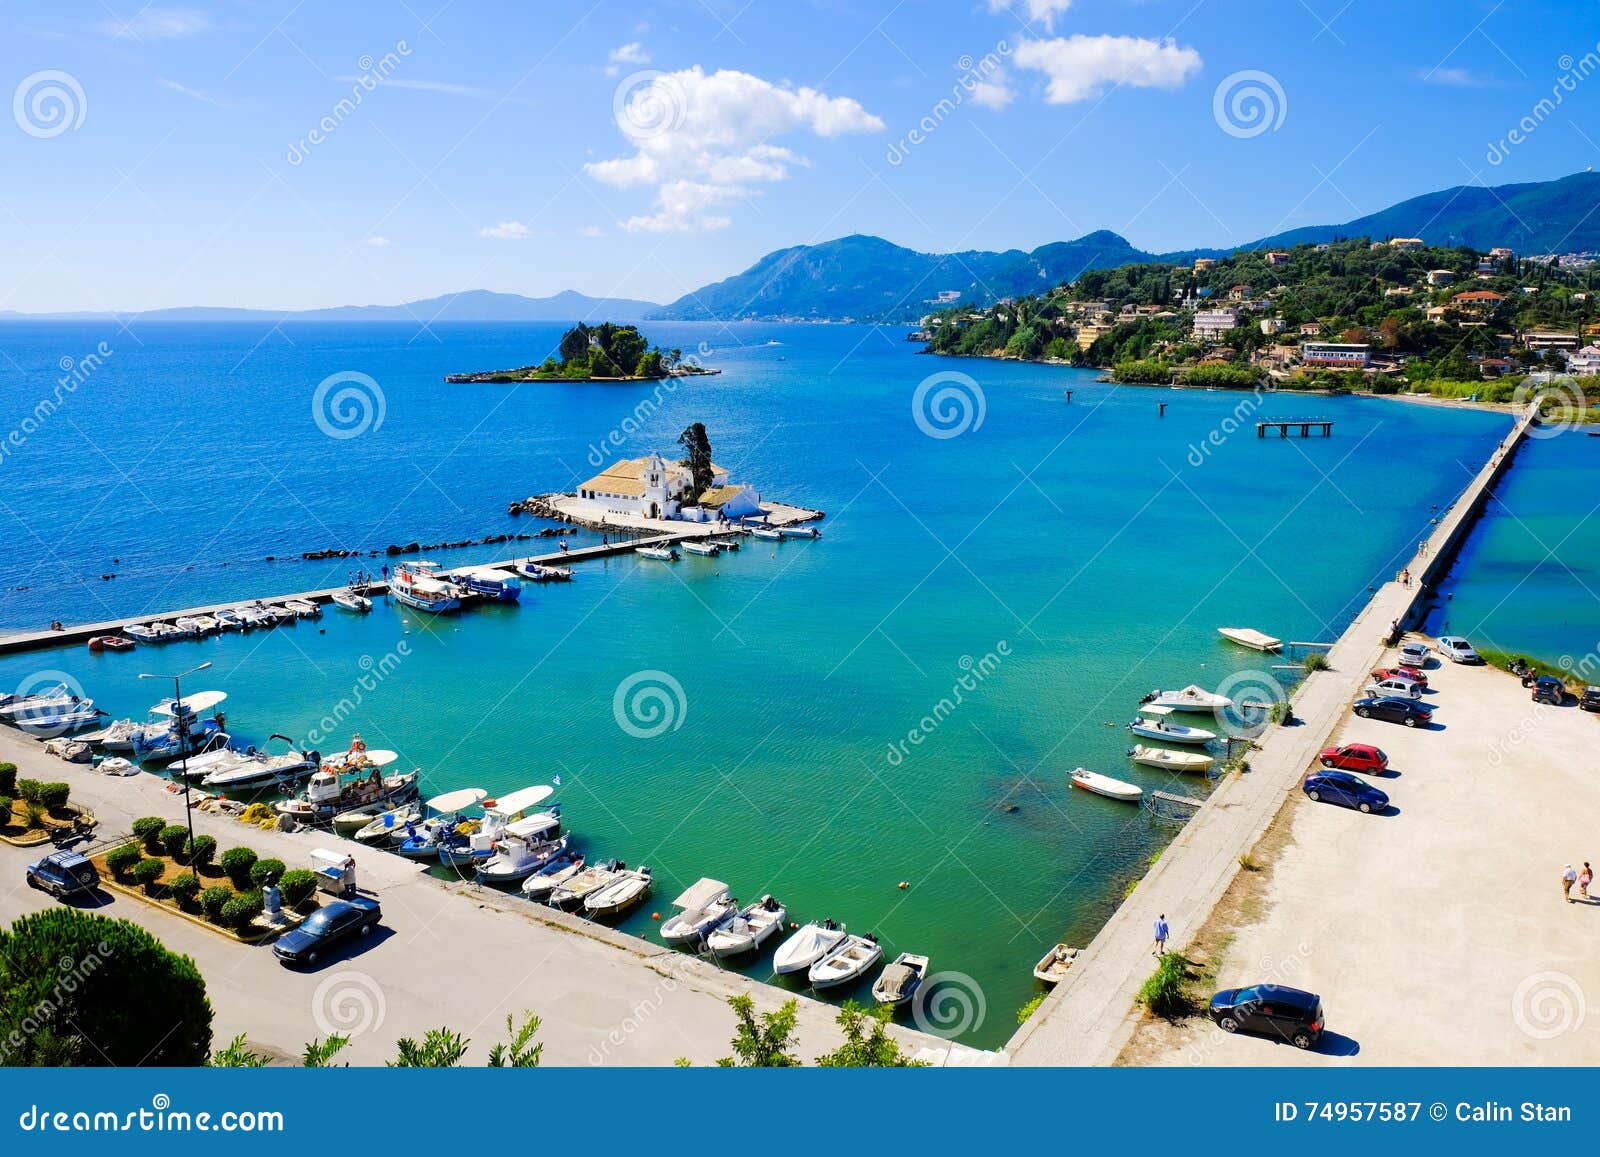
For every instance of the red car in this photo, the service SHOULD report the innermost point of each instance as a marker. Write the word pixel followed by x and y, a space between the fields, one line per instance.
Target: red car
pixel 1413 673
pixel 1355 757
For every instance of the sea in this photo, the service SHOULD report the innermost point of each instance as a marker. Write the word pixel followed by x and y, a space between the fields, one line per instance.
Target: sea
pixel 876 727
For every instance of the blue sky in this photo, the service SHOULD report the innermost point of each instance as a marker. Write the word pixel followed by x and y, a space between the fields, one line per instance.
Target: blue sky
pixel 164 155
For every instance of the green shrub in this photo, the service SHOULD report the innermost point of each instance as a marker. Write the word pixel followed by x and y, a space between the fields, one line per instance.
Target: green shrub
pixel 8 779
pixel 201 852
pixel 174 838
pixel 238 912
pixel 28 790
pixel 1030 1008
pixel 1163 994
pixel 5 811
pixel 297 886
pixel 268 871
pixel 54 796
pixel 122 860
pixel 212 900
pixel 237 862
pixel 184 889
pixel 148 873
pixel 1315 661
pixel 148 829
pixel 33 815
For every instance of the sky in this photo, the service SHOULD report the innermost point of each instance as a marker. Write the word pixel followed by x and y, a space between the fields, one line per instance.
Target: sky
pixel 283 155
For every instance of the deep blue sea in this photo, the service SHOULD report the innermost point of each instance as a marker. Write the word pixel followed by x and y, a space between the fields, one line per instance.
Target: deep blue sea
pixel 1053 557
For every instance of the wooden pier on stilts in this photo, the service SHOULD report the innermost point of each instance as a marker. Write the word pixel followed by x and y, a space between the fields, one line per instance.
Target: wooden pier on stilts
pixel 1323 427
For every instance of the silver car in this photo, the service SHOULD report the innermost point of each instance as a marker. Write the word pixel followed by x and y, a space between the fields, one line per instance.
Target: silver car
pixel 1457 649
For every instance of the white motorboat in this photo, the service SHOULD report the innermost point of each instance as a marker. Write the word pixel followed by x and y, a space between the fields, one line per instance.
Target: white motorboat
pixel 415 586
pixel 730 543
pixel 121 735
pixel 443 812
pixel 659 553
pixel 578 888
pixel 698 546
pixel 522 849
pixel 705 906
pixel 116 765
pixel 387 826
pixel 539 886
pixel 254 768
pixel 621 894
pixel 1106 786
pixel 256 616
pixel 848 961
pixel 807 946
pixel 303 608
pixel 1248 637
pixel 281 614
pixel 1152 723
pixel 1190 698
pixel 58 702
pixel 52 724
pixel 350 601
pixel 212 755
pixel 1053 965
pixel 229 621
pixel 1170 760
pixel 769 532
pixel 749 929
pixel 899 981
pixel 166 632
pixel 799 532
pixel 498 816
pixel 208 624
pixel 539 573
pixel 142 632
pixel 187 626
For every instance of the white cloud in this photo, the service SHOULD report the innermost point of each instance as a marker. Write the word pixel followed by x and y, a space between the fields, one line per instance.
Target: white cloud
pixel 993 92
pixel 448 88
pixel 1043 11
pixel 506 231
pixel 191 93
pixel 158 24
pixel 703 139
pixel 378 242
pixel 593 231
pixel 1078 67
pixel 631 53
pixel 1451 77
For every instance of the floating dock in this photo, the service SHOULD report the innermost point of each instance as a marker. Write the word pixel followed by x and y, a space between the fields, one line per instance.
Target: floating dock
pixel 1323 427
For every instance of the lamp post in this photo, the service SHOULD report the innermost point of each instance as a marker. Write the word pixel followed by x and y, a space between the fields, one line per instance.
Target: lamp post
pixel 180 727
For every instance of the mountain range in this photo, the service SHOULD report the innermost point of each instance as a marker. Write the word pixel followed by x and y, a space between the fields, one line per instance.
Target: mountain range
pixel 869 279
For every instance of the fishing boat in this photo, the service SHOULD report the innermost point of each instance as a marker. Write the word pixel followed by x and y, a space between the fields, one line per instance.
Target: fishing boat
pixel 327 794
pixel 539 573
pixel 847 961
pixel 142 632
pixel 347 823
pixel 1171 760
pixel 1151 723
pixel 1053 965
pixel 208 624
pixel 187 626
pixel 522 849
pixel 281 614
pixel 698 546
pixel 557 872
pixel 489 582
pixel 110 643
pixel 350 601
pixel 900 980
pixel 256 616
pixel 659 553
pixel 1247 637
pixel 443 813
pixel 253 768
pixel 630 886
pixel 386 826
pixel 704 907
pixel 416 588
pixel 768 532
pixel 166 632
pixel 574 891
pixel 1106 786
pixel 498 816
pixel 304 609
pixel 807 946
pixel 1190 698
pixel 750 929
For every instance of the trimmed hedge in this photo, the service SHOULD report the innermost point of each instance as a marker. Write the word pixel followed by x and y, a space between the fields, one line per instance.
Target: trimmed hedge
pixel 28 790
pixel 5 811
pixel 238 912
pixel 121 860
pixel 55 795
pixel 174 838
pixel 148 829
pixel 148 872
pixel 212 900
pixel 268 871
pixel 8 779
pixel 184 889
pixel 237 862
pixel 297 886
pixel 201 852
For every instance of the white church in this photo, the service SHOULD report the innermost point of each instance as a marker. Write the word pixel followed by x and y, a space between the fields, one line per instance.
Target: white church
pixel 652 487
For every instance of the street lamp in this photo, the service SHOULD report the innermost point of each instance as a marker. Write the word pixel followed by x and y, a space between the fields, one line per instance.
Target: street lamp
pixel 180 726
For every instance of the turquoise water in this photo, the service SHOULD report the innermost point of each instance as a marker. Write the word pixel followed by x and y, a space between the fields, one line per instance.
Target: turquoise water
pixel 1062 557
pixel 1528 577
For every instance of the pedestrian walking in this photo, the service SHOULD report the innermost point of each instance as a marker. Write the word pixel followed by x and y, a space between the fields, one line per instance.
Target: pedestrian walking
pixel 1161 934
pixel 1569 877
pixel 1585 878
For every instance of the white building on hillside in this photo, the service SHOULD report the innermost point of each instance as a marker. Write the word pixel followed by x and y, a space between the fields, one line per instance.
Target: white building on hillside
pixel 649 487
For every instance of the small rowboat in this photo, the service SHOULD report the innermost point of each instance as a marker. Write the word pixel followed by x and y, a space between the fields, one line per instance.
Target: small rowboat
pixel 1171 760
pixel 1053 965
pixel 1106 786
pixel 110 643
pixel 1247 637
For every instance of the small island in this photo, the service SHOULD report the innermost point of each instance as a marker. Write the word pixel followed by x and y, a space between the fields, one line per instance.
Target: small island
pixel 602 353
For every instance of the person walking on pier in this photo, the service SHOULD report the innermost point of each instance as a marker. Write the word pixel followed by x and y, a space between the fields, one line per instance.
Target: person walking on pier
pixel 1161 934
pixel 1585 878
pixel 1569 876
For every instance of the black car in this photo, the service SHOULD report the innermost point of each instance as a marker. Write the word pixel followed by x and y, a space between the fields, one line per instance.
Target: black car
pixel 1390 710
pixel 1549 689
pixel 1287 1014
pixel 326 927
pixel 64 874
pixel 1590 699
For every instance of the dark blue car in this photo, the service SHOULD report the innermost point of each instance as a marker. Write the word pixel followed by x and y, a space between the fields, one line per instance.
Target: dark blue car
pixel 1344 789
pixel 326 927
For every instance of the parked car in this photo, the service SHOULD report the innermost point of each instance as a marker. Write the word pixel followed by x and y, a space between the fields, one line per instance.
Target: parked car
pixel 1415 674
pixel 1549 689
pixel 1396 686
pixel 1407 711
pixel 1273 1010
pixel 1590 699
pixel 325 927
pixel 1355 757
pixel 1414 655
pixel 1457 649
pixel 64 874
pixel 1344 789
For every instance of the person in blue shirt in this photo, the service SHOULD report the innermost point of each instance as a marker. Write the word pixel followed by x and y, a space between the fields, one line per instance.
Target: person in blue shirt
pixel 1161 934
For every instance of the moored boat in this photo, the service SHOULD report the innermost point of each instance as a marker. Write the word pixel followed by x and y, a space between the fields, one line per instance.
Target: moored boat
pixel 142 632
pixel 1171 760
pixel 659 553
pixel 539 886
pixel 622 893
pixel 846 962
pixel 1190 698
pixel 539 573
pixel 750 929
pixel 229 620
pixel 898 982
pixel 807 946
pixel 416 588
pixel 303 609
pixel 351 601
pixel 443 813
pixel 252 768
pixel 572 893
pixel 1248 637
pixel 489 582
pixel 110 643
pixel 698 546
pixel 1053 965
pixel 1106 786
pixel 387 826
pixel 498 816
pixel 1152 723
pixel 768 532
pixel 703 908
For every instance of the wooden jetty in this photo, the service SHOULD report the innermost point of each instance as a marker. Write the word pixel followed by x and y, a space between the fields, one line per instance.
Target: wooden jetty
pixel 1323 426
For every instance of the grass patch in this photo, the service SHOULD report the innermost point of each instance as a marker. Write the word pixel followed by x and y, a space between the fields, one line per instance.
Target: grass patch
pixel 1315 661
pixel 1030 1008
pixel 1248 862
pixel 1166 993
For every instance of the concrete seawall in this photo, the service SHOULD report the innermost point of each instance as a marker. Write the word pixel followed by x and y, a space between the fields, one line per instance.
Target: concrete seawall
pixel 1090 1016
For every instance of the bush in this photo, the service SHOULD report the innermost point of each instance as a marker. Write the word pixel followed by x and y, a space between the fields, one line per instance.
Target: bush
pixel 1163 994
pixel 174 838
pixel 121 860
pixel 28 790
pixel 148 830
pixel 131 1002
pixel 54 796
pixel 8 779
pixel 297 886
pixel 1315 661
pixel 148 873
pixel 33 815
pixel 238 912
pixel 201 852
pixel 212 900
pixel 184 889
pixel 268 871
pixel 5 811
pixel 237 862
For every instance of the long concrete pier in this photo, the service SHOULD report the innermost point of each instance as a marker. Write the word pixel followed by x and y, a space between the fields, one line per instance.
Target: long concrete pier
pixel 1090 1016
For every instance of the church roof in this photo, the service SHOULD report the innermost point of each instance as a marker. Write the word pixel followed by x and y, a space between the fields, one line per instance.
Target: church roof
pixel 718 496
